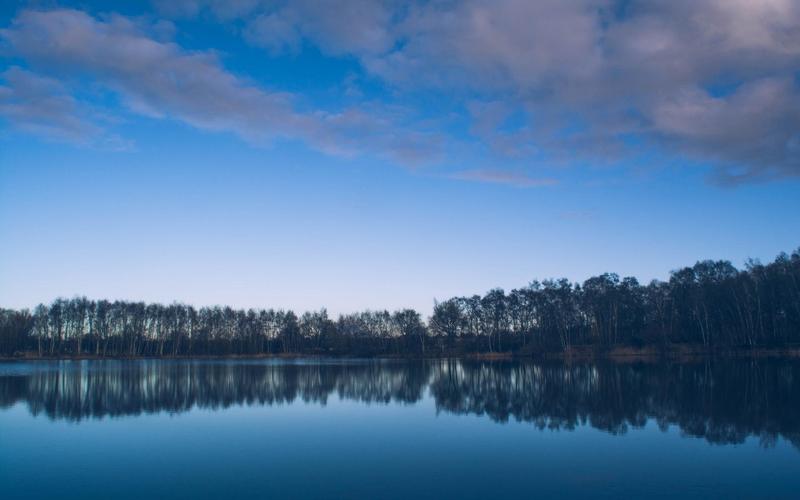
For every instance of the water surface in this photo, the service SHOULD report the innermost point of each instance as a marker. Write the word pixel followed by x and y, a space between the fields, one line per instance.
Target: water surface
pixel 398 429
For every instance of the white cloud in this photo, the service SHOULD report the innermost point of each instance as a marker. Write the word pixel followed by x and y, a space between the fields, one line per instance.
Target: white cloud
pixel 587 73
pixel 161 80
pixel 716 80
pixel 757 124
pixel 275 33
pixel 43 106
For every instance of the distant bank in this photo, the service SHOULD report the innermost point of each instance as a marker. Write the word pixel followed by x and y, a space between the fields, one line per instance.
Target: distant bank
pixel 678 353
pixel 711 308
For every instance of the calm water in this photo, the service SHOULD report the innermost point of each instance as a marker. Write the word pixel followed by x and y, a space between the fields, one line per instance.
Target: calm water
pixel 365 429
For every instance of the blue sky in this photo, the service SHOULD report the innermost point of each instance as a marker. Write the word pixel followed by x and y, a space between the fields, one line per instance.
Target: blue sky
pixel 382 154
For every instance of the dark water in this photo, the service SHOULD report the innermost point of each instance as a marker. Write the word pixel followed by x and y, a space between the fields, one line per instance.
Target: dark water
pixel 261 429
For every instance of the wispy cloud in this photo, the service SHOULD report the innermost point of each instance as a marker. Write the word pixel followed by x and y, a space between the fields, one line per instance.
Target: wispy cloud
pixel 43 106
pixel 159 79
pixel 507 177
pixel 577 215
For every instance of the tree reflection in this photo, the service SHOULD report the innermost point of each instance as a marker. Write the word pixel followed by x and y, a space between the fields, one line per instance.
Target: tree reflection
pixel 721 401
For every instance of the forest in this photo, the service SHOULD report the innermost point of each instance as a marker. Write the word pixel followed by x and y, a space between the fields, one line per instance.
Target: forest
pixel 712 306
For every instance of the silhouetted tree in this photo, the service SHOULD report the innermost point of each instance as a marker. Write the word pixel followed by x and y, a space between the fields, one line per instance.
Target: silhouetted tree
pixel 711 304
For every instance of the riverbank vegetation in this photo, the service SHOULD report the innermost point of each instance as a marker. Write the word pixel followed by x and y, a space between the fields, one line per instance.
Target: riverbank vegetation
pixel 712 306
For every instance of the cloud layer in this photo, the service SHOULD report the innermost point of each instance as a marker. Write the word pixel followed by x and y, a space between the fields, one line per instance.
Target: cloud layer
pixel 43 106
pixel 161 80
pixel 712 81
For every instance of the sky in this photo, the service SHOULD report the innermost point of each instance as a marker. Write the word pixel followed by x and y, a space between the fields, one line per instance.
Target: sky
pixel 383 154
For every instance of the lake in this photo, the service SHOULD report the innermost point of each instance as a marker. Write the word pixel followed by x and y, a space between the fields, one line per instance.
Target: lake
pixel 398 429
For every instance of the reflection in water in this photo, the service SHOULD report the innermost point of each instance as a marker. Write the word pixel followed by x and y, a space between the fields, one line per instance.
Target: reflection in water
pixel 721 401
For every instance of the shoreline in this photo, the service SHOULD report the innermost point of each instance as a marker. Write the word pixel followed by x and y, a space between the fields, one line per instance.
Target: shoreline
pixel 576 353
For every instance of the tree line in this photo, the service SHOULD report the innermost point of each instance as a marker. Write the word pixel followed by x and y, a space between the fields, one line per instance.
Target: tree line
pixel 711 304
